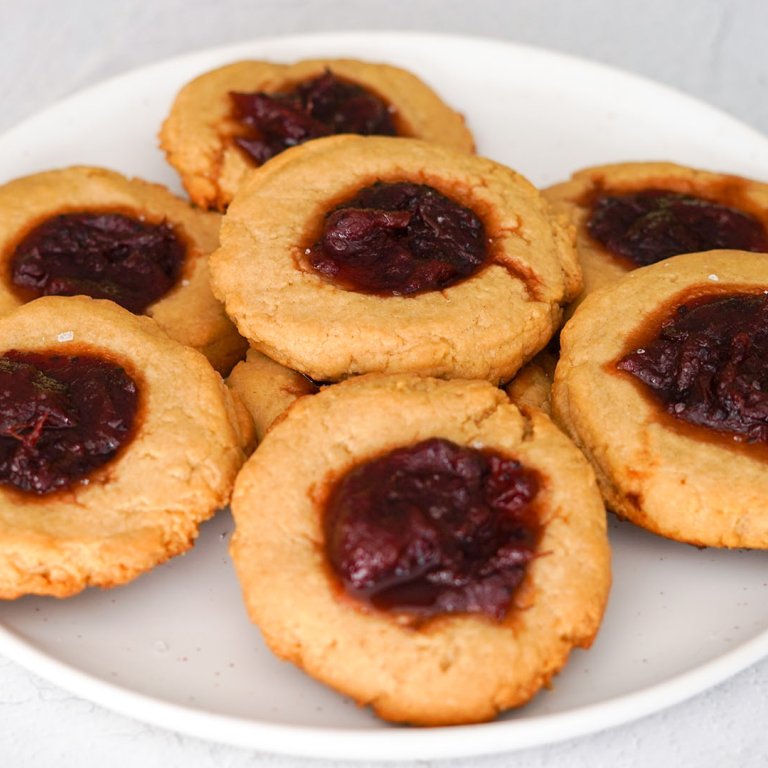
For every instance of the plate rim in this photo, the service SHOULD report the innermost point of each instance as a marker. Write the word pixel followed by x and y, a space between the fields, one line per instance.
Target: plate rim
pixel 390 744
pixel 603 69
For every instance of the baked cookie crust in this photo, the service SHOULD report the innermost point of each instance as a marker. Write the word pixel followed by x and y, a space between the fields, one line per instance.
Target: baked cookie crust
pixel 146 504
pixel 197 134
pixel 486 326
pixel 188 312
pixel 532 386
pixel 455 668
pixel 573 198
pixel 692 489
pixel 267 388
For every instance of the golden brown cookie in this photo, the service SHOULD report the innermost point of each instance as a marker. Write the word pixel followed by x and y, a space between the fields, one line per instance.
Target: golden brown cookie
pixel 75 510
pixel 448 668
pixel 267 388
pixel 199 134
pixel 485 325
pixel 702 482
pixel 532 386
pixel 187 310
pixel 601 265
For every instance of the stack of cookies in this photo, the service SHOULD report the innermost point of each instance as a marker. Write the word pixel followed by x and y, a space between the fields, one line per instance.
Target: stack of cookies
pixel 117 435
pixel 448 375
pixel 662 379
pixel 404 532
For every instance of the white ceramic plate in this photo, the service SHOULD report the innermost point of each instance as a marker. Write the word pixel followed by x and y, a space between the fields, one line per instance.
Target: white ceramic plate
pixel 175 648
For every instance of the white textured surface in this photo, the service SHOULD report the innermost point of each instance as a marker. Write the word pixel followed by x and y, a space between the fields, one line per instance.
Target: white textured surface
pixel 711 49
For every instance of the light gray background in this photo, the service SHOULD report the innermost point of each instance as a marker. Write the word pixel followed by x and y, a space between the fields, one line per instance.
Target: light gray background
pixel 716 50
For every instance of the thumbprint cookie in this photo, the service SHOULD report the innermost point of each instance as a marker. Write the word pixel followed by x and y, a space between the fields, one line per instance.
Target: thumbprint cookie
pixel 663 383
pixel 235 118
pixel 631 215
pixel 94 232
pixel 351 254
pixel 115 443
pixel 421 545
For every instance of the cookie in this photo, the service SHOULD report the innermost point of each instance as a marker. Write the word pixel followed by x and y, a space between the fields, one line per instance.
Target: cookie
pixel 230 120
pixel 532 386
pixel 437 638
pixel 633 214
pixel 91 231
pixel 350 255
pixel 116 442
pixel 267 388
pixel 661 382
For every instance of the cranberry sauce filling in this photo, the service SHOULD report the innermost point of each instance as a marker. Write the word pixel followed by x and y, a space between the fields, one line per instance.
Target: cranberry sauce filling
pixel 434 528
pixel 652 225
pixel 320 107
pixel 399 239
pixel 103 255
pixel 61 417
pixel 708 364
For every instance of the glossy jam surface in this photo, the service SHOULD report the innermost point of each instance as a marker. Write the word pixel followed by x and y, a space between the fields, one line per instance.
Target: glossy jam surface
pixel 102 255
pixel 399 239
pixel 652 225
pixel 61 417
pixel 434 528
pixel 709 364
pixel 320 107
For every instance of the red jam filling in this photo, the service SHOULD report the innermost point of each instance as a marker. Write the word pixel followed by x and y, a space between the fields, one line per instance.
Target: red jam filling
pixel 652 225
pixel 320 107
pixel 708 364
pixel 399 239
pixel 102 255
pixel 434 528
pixel 61 417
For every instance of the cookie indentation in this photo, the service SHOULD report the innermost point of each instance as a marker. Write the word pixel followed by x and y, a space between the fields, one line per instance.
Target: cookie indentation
pixel 651 225
pixel 708 364
pixel 399 239
pixel 319 107
pixel 104 255
pixel 434 528
pixel 61 417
